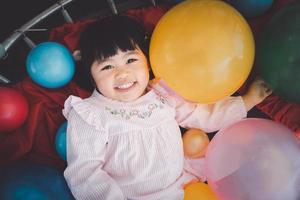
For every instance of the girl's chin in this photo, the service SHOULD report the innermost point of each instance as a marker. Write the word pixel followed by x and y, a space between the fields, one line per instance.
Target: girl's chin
pixel 130 97
pixel 129 94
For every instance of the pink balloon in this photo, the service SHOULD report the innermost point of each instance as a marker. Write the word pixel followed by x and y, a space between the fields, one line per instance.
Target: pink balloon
pixel 254 159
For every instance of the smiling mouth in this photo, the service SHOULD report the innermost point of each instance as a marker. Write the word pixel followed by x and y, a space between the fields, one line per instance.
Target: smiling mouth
pixel 126 86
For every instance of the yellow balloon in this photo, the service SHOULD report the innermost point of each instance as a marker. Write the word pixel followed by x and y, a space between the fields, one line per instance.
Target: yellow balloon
pixel 199 191
pixel 203 49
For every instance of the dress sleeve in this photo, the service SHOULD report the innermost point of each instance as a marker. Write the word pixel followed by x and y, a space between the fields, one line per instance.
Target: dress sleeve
pixel 207 117
pixel 86 147
pixel 210 117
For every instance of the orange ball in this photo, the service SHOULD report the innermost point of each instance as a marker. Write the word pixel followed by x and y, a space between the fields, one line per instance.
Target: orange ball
pixel 199 191
pixel 195 142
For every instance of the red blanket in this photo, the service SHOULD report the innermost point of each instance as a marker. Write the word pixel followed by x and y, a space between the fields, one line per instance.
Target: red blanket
pixel 35 140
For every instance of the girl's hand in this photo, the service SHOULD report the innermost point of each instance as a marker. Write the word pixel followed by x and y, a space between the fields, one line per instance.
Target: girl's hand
pixel 256 93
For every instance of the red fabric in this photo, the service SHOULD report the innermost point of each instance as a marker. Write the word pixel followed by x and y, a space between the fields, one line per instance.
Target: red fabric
pixel 35 140
pixel 148 16
pixel 69 34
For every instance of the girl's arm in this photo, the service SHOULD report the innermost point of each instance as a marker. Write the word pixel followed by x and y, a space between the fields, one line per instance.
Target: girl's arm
pixel 86 148
pixel 212 117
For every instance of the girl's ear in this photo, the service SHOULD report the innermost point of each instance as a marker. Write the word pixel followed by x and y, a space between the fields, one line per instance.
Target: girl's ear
pixel 77 55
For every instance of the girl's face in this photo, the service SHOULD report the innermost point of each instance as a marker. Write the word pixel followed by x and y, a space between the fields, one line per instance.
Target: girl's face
pixel 122 77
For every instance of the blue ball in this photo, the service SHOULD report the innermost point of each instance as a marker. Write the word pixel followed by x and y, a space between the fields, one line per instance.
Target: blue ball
pixel 50 65
pixel 29 181
pixel 61 141
pixel 251 8
pixel 16 191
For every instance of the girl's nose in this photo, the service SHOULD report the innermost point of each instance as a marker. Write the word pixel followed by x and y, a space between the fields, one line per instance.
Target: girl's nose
pixel 122 73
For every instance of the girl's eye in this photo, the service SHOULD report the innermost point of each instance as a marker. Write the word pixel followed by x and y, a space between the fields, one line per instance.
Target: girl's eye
pixel 107 67
pixel 131 60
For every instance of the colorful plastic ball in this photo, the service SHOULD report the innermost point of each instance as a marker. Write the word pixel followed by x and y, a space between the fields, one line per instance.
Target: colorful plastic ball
pixel 29 181
pixel 61 141
pixel 254 159
pixel 251 8
pixel 50 65
pixel 195 142
pixel 13 109
pixel 204 50
pixel 199 191
pixel 278 56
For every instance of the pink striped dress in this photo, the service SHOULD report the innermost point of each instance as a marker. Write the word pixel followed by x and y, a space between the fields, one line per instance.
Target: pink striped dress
pixel 133 150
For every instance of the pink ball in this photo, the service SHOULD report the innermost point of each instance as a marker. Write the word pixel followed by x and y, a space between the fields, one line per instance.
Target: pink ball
pixel 13 109
pixel 255 159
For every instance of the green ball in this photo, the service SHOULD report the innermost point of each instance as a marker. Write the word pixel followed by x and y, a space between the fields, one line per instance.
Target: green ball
pixel 278 53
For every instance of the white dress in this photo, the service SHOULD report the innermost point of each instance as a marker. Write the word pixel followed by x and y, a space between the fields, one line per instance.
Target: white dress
pixel 133 150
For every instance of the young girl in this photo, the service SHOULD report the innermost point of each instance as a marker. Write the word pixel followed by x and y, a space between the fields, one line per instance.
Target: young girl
pixel 124 141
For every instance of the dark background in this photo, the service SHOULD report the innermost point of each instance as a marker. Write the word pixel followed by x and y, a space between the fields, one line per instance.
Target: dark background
pixel 15 13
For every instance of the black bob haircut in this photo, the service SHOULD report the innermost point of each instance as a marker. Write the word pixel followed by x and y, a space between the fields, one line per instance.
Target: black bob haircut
pixel 103 38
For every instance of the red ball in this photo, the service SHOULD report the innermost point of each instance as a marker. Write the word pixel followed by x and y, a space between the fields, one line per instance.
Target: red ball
pixel 13 109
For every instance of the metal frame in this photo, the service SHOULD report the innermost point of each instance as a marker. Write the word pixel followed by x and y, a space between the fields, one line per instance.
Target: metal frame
pixel 23 29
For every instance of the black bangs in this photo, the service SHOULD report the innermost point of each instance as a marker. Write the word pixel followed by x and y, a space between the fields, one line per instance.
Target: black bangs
pixel 109 48
pixel 103 38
